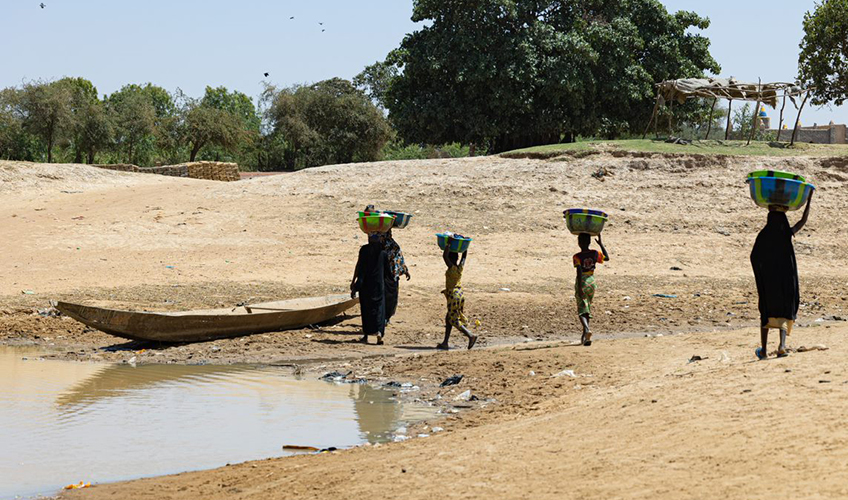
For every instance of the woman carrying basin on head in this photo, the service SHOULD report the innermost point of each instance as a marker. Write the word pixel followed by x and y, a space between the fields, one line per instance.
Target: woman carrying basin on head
pixel 776 274
pixel 369 279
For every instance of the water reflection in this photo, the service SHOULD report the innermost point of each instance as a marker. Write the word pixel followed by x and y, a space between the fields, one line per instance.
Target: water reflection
pixel 375 413
pixel 121 380
pixel 63 422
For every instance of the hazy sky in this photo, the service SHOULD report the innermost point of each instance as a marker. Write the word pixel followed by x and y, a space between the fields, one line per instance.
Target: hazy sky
pixel 193 43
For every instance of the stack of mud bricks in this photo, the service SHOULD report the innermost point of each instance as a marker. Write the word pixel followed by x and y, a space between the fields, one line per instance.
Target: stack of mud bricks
pixel 213 171
pixel 208 170
pixel 120 167
pixel 170 170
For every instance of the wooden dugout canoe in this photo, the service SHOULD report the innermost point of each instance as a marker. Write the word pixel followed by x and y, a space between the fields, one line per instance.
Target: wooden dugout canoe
pixel 211 324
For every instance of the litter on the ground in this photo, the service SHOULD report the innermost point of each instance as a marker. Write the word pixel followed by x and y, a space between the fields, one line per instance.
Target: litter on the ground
pixel 566 373
pixel 665 295
pixel 82 484
pixel 335 376
pixel 465 396
pixel 295 447
pixel 451 381
pixel 817 347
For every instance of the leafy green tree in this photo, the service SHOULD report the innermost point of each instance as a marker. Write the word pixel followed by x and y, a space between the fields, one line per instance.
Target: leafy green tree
pixel 146 123
pixel 95 129
pixel 166 122
pixel 242 124
pixel 134 116
pixel 823 62
pixel 376 79
pixel 16 143
pixel 88 121
pixel 328 122
pixel 206 125
pixel 520 73
pixel 46 111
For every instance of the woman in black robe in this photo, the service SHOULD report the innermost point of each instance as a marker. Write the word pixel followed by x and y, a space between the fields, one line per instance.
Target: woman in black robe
pixel 369 278
pixel 776 274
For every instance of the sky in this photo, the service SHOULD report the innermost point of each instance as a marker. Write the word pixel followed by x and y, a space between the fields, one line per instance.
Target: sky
pixel 189 44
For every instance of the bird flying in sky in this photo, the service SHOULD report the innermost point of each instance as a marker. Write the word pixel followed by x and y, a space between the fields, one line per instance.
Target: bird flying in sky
pixel 42 5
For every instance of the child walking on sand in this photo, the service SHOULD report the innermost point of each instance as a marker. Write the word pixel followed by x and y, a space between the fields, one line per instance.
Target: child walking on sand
pixel 456 301
pixel 584 286
pixel 776 274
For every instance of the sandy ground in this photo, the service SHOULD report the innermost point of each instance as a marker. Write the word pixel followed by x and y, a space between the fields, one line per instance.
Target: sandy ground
pixel 680 225
pixel 637 421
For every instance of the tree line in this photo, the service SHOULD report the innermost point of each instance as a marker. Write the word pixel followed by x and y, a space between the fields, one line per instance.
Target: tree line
pixel 479 76
pixel 302 126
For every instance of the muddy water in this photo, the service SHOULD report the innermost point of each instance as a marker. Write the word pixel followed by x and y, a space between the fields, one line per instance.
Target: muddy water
pixel 65 422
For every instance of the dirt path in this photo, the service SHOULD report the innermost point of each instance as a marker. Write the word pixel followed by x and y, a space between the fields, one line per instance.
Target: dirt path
pixel 679 226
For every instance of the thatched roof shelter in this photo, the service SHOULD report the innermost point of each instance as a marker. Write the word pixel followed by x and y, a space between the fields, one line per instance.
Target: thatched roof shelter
pixel 671 91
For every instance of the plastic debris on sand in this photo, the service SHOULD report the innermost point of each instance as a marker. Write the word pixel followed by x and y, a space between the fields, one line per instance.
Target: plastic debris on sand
pixel 82 484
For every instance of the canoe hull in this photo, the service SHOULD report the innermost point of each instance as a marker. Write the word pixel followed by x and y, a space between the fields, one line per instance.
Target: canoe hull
pixel 200 326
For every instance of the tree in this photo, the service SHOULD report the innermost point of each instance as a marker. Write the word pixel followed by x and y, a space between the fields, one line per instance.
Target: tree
pixel 823 62
pixel 134 116
pixel 207 125
pixel 242 121
pixel 376 79
pixel 15 142
pixel 88 127
pixel 327 122
pixel 95 129
pixel 522 73
pixel 146 123
pixel 46 111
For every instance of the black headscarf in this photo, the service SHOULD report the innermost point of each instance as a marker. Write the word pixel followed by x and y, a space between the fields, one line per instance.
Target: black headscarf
pixel 775 270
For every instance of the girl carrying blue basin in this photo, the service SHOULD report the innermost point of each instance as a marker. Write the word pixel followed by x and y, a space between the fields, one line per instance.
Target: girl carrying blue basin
pixel 776 274
pixel 455 316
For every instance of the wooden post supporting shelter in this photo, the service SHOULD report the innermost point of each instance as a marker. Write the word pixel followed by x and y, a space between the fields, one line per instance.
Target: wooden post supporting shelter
pixel 756 114
pixel 670 117
pixel 653 114
pixel 727 129
pixel 798 118
pixel 780 125
pixel 710 121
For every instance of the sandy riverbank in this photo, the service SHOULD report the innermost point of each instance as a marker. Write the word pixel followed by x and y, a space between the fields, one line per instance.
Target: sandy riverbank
pixel 679 226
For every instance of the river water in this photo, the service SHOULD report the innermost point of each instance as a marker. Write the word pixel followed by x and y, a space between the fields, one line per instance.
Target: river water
pixel 65 422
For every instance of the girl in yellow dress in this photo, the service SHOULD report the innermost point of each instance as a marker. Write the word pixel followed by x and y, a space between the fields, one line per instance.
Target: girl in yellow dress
pixel 456 301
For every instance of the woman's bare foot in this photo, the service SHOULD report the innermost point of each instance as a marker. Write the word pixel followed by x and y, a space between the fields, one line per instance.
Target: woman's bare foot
pixel 587 339
pixel 443 347
pixel 379 340
pixel 364 339
pixel 471 341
